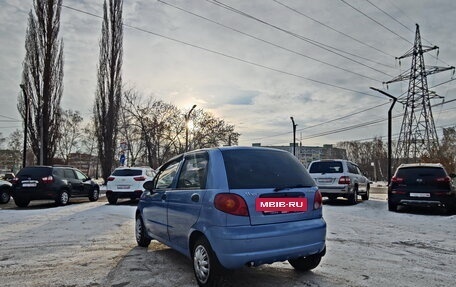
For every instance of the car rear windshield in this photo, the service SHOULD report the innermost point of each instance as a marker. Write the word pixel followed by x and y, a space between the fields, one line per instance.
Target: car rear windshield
pixel 34 172
pixel 248 169
pixel 326 167
pixel 412 175
pixel 127 172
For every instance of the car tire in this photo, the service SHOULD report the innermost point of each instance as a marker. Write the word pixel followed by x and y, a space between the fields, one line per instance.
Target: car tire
pixel 392 206
pixel 366 196
pixel 306 263
pixel 63 198
pixel 21 202
pixel 4 197
pixel 206 267
pixel 353 198
pixel 112 199
pixel 94 195
pixel 140 232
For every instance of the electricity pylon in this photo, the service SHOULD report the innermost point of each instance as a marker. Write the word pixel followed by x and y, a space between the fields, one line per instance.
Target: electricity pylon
pixel 418 135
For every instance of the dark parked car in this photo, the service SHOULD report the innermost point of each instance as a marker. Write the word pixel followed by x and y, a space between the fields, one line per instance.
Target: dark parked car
pixel 421 184
pixel 56 183
pixel 5 189
pixel 229 207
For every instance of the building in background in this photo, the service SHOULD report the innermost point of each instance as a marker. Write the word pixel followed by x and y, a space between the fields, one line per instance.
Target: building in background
pixel 307 154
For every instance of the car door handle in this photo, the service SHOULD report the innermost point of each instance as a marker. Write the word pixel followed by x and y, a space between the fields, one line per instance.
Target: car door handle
pixel 164 197
pixel 195 197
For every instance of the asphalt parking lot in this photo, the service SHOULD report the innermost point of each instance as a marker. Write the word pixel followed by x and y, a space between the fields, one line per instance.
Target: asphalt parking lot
pixel 92 244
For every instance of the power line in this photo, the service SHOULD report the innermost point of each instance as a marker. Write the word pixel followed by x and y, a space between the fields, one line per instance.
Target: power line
pixel 320 45
pixel 10 118
pixel 372 19
pixel 331 28
pixel 228 56
pixel 267 42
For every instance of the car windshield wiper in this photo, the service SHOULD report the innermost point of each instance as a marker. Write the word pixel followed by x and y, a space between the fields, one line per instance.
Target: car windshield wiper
pixel 290 187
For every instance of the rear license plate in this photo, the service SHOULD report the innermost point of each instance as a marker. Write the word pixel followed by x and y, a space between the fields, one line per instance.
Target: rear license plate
pixel 29 185
pixel 420 195
pixel 123 187
pixel 324 180
pixel 281 205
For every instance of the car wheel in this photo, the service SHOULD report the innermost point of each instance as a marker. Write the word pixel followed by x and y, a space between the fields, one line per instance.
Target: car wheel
pixel 306 263
pixel 4 197
pixel 94 195
pixel 140 232
pixel 392 206
pixel 63 198
pixel 112 199
pixel 208 270
pixel 353 198
pixel 366 196
pixel 21 202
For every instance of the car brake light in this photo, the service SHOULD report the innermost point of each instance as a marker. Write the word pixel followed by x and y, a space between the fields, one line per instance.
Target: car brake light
pixel 396 179
pixel 111 178
pixel 139 178
pixel 318 200
pixel 398 192
pixel 443 179
pixel 15 180
pixel 344 180
pixel 48 179
pixel 231 203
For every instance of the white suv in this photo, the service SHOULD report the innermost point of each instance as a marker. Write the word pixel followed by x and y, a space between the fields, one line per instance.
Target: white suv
pixel 127 182
pixel 340 178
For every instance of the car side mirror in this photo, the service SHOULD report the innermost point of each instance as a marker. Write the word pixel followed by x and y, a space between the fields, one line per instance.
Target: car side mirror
pixel 149 185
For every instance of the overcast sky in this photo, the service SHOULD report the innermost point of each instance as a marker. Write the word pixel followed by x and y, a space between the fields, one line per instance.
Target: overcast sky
pixel 252 63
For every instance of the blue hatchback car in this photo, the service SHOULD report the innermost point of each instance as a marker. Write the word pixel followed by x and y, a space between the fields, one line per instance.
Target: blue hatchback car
pixel 229 207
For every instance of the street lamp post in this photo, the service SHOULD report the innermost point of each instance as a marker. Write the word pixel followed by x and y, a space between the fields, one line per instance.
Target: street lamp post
pixel 389 128
pixel 187 117
pixel 294 135
pixel 24 151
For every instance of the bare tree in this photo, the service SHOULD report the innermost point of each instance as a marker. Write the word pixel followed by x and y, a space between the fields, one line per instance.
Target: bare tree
pixel 42 78
pixel 210 131
pixel 71 133
pixel 109 94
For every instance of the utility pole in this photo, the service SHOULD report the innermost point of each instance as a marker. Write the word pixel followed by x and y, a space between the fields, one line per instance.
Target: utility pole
pixel 294 135
pixel 187 118
pixel 418 135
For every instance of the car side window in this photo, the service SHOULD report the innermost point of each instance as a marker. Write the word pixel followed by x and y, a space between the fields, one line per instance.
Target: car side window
pixel 80 175
pixel 193 174
pixel 58 172
pixel 352 168
pixel 68 173
pixel 166 176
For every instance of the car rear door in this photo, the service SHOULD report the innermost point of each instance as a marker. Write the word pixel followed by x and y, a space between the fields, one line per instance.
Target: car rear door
pixel 184 202
pixel 326 173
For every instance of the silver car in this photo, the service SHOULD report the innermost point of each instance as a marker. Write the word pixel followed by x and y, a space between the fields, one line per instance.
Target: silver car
pixel 340 178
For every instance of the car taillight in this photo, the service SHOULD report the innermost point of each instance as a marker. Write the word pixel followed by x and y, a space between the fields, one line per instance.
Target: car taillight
pixel 344 180
pixel 396 179
pixel 111 178
pixel 231 203
pixel 139 178
pixel 443 179
pixel 318 200
pixel 48 179
pixel 15 180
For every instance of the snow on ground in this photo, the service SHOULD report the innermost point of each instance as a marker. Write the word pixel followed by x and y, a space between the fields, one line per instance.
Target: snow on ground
pixel 92 244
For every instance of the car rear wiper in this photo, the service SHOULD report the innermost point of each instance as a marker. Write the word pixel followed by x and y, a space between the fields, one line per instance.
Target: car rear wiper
pixel 290 187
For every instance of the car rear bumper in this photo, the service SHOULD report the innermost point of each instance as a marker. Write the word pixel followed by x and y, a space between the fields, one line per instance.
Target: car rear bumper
pixel 124 194
pixel 341 190
pixel 263 244
pixel 33 194
pixel 443 201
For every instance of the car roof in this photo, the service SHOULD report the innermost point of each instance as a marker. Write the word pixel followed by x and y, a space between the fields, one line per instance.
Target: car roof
pixel 420 164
